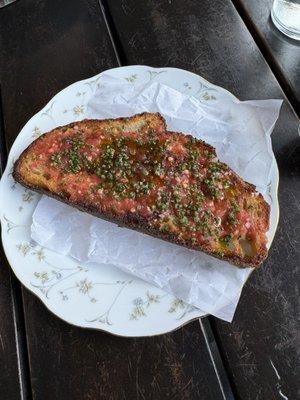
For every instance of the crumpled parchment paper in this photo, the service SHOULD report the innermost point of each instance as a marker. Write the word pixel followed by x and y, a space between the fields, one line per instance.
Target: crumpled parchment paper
pixel 240 132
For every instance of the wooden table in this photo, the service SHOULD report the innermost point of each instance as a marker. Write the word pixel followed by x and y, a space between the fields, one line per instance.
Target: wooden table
pixel 45 46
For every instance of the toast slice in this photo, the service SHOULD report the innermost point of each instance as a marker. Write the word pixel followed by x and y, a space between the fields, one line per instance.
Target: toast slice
pixel 133 172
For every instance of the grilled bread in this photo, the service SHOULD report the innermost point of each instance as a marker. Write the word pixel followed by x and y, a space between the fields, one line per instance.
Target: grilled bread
pixel 133 172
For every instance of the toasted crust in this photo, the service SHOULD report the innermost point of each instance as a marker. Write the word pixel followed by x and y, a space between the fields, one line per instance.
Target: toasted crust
pixel 135 221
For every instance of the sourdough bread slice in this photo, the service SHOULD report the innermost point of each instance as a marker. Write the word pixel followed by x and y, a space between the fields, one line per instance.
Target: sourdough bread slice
pixel 133 172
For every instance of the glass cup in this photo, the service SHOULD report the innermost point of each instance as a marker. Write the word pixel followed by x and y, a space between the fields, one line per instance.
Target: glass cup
pixel 286 17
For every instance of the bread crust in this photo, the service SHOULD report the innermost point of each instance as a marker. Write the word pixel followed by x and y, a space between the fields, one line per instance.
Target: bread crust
pixel 135 221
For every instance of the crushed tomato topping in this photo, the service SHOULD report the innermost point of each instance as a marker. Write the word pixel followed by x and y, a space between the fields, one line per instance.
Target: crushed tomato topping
pixel 174 181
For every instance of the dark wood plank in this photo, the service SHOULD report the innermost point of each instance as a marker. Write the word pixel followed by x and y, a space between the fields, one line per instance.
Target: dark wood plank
pixel 10 387
pixel 65 42
pixel 94 365
pixel 13 377
pixel 282 53
pixel 211 39
pixel 47 45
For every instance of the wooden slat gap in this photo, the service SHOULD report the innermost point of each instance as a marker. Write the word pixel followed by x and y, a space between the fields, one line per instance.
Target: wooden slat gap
pixel 113 33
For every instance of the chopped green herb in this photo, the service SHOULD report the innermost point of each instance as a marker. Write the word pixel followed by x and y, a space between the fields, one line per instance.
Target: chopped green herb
pixel 225 239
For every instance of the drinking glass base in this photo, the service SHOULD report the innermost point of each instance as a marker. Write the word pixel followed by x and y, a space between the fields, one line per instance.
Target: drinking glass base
pixel 284 29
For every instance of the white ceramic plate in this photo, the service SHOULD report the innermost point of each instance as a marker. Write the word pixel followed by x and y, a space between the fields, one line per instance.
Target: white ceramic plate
pixel 99 297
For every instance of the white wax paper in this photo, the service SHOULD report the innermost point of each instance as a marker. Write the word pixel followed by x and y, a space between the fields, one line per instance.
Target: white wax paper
pixel 240 132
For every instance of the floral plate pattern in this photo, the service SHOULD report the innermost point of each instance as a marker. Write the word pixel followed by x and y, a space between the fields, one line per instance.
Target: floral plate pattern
pixel 93 296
